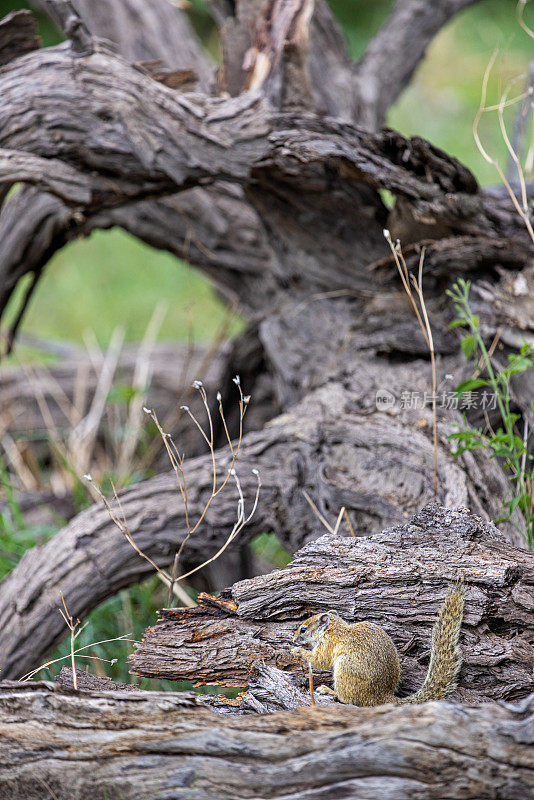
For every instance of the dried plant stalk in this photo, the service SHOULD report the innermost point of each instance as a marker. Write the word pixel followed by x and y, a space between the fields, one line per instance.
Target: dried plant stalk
pixel 521 206
pixel 310 680
pixel 72 625
pixel 409 282
pixel 177 462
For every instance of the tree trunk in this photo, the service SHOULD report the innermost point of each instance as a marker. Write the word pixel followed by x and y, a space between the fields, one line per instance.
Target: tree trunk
pixel 169 746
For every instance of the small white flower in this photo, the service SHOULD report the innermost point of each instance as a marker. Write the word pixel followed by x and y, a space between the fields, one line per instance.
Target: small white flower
pixel 232 472
pixel 113 661
pixel 197 384
pixel 237 380
pixel 147 410
pixel 386 233
pixel 219 397
pixel 184 408
pixel 246 399
pixel 255 472
pixel 88 478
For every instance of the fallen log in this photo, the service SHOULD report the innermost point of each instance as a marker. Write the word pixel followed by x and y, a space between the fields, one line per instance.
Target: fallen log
pixel 396 579
pixel 86 682
pixel 322 446
pixel 65 745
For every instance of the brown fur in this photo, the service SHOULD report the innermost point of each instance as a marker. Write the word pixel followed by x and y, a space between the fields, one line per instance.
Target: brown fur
pixel 365 662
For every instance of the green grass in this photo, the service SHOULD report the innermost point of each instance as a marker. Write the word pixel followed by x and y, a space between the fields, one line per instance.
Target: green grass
pixel 112 279
pixel 442 102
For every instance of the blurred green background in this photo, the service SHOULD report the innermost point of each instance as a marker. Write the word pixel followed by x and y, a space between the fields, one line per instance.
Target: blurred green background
pixel 112 280
pixel 121 279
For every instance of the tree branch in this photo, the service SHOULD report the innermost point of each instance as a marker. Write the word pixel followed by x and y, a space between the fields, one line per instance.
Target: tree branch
pixel 135 138
pixel 66 17
pixel 18 36
pixel 393 55
pixel 141 31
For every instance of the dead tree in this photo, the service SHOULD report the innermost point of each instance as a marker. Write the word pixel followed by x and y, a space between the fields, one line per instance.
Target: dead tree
pixel 268 177
pixel 114 740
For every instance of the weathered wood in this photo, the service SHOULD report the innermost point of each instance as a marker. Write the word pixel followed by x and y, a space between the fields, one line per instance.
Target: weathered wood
pixel 396 579
pixel 246 142
pixel 86 682
pixel 296 52
pixel 54 743
pixel 144 31
pixel 378 465
pixel 325 446
pixel 18 35
pixel 291 226
pixel 200 139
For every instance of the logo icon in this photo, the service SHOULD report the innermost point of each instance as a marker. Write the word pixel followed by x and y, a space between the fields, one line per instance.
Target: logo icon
pixel 384 399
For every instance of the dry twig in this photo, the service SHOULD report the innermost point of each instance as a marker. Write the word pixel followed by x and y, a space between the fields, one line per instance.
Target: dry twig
pixel 409 281
pixel 177 460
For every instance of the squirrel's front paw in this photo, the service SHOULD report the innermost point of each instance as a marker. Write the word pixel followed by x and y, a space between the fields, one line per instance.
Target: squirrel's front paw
pixel 298 652
pixel 322 689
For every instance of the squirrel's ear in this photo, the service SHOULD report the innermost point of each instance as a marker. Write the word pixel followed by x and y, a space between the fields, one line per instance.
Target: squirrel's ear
pixel 323 621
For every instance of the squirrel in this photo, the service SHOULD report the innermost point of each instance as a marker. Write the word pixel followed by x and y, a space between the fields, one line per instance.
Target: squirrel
pixel 365 661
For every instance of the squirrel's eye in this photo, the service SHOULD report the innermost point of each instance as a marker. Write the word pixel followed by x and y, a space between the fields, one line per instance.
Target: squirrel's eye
pixel 301 629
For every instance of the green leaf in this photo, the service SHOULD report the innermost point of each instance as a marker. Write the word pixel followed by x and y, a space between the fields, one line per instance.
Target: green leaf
pixel 469 385
pixel 122 394
pixel 456 323
pixel 512 504
pixel 466 436
pixel 469 346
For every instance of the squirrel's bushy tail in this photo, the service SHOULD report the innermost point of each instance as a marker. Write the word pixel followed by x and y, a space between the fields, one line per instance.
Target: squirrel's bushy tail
pixel 445 655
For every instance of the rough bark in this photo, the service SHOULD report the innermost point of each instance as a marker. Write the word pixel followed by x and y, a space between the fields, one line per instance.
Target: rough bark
pixel 144 32
pixel 280 205
pixel 62 225
pixel 335 326
pixel 396 579
pixel 121 744
pixel 294 51
pixel 330 445
pixel 86 682
pixel 18 36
